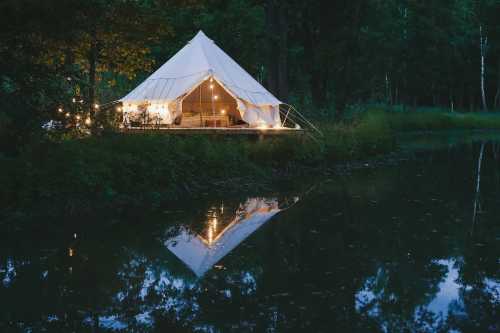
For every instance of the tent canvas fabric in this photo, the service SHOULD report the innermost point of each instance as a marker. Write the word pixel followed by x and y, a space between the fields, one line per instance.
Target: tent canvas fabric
pixel 199 60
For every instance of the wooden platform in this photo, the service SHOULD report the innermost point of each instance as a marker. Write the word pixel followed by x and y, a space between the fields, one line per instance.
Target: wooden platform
pixel 215 131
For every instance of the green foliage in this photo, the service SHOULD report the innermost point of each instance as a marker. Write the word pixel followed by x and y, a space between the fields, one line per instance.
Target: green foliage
pixel 440 119
pixel 367 134
pixel 126 170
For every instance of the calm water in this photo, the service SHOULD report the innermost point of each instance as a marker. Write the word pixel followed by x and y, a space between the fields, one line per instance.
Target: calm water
pixel 410 247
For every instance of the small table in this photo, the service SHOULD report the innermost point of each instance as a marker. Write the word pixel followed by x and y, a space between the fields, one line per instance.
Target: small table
pixel 215 121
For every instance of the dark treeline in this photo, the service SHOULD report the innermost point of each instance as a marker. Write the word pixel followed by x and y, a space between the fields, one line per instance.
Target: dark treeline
pixel 320 55
pixel 397 51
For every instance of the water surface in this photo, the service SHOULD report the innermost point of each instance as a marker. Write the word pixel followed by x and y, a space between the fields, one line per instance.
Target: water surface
pixel 411 247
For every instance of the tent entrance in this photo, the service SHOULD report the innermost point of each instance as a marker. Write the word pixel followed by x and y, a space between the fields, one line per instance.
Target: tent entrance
pixel 210 105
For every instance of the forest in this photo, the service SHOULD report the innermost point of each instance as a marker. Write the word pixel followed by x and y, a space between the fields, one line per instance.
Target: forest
pixel 324 57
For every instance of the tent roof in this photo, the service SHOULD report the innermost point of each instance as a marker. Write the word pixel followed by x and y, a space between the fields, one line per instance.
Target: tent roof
pixel 196 61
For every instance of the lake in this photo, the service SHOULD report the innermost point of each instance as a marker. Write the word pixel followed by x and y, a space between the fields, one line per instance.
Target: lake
pixel 409 245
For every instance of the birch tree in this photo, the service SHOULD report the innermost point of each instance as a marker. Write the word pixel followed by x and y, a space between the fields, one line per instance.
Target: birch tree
pixel 483 45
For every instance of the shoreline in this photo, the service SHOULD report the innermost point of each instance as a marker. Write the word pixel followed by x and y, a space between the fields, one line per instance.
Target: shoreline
pixel 122 174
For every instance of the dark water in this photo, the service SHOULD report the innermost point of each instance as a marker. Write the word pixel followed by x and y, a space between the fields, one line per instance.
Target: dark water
pixel 410 247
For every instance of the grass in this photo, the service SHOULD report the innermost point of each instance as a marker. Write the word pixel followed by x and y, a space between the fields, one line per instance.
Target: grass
pixel 75 176
pixel 439 120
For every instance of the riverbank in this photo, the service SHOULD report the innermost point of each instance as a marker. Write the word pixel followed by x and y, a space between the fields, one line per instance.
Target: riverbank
pixel 125 173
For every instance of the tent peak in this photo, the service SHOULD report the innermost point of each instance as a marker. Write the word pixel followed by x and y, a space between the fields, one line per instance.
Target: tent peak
pixel 201 35
pixel 192 64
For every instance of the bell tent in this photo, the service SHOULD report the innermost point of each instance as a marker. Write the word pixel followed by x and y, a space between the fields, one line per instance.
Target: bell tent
pixel 201 86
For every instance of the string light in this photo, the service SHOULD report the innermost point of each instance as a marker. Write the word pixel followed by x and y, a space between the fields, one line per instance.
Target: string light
pixel 78 117
pixel 216 97
pixel 119 109
pixel 74 100
pixel 67 114
pixel 96 106
pixel 223 111
pixel 88 121
pixel 211 86
pixel 70 252
pixel 60 110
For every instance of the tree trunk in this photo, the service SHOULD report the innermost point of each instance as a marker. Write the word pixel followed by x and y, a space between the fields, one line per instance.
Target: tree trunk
pixel 318 87
pixel 96 322
pixel 282 52
pixel 277 27
pixel 461 95
pixel 317 77
pixel 497 95
pixel 271 46
pixel 472 102
pixel 452 103
pixel 346 96
pixel 92 75
pixel 483 46
pixel 478 186
pixel 388 97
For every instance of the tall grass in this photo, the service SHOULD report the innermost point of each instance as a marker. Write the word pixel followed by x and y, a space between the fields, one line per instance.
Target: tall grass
pixel 437 120
pixel 403 118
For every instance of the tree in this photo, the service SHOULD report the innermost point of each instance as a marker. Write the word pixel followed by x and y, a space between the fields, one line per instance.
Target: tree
pixel 108 36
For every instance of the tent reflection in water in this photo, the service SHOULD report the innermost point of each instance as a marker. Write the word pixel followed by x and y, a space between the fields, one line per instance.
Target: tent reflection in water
pixel 200 252
pixel 201 86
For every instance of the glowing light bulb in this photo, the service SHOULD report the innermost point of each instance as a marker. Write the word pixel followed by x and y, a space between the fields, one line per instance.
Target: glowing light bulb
pixel 60 110
pixel 67 114
pixel 223 111
pixel 211 86
pixel 216 97
pixel 96 106
pixel 119 108
pixel 211 80
pixel 88 121
pixel 73 100
pixel 77 117
pixel 70 252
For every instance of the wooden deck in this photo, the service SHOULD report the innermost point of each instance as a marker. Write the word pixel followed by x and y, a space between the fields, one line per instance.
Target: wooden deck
pixel 260 132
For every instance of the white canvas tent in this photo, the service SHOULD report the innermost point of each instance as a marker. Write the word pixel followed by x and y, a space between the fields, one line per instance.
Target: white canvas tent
pixel 188 75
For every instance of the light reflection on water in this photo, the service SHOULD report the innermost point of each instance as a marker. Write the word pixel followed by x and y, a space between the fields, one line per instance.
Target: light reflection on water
pixel 448 292
pixel 448 289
